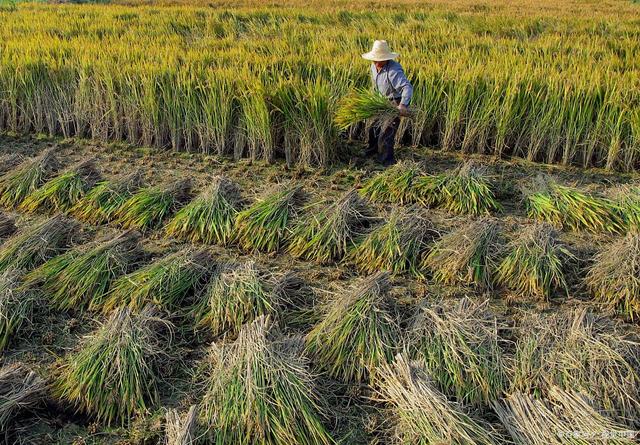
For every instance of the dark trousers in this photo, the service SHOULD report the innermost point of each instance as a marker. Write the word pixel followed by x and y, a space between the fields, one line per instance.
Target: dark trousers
pixel 382 138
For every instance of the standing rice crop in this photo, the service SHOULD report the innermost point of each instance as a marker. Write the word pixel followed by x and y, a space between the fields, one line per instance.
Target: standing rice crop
pixel 614 276
pixel 362 105
pixel 394 185
pixel 535 263
pixel 358 332
pixel 20 389
pixel 114 373
pixel 100 204
pixel 421 414
pixel 210 218
pixel 396 246
pixel 149 207
pixel 83 276
pixel 7 226
pixel 467 190
pixel 564 418
pixel 181 430
pixel 579 351
pixel 36 244
pixel 16 305
pixel 328 234
pixel 568 207
pixel 467 255
pixel 165 282
pixel 459 346
pixel 236 295
pixel 261 391
pixel 263 226
pixel 65 190
pixel 23 180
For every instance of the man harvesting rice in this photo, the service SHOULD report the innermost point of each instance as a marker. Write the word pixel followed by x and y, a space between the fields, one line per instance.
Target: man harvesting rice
pixel 388 79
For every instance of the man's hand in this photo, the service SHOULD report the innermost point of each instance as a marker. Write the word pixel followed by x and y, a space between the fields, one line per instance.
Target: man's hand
pixel 404 110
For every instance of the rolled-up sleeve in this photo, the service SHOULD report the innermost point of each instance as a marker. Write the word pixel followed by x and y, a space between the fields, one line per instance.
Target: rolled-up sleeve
pixel 401 84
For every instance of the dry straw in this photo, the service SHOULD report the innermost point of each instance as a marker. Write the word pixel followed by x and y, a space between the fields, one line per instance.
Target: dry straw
pixel 358 333
pixel 181 430
pixel 421 414
pixel 7 226
pixel 20 389
pixel 460 348
pixel 9 161
pixel 261 390
pixel 17 303
pixel 26 178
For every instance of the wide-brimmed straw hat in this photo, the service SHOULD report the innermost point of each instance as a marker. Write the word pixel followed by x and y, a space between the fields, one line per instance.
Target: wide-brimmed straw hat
pixel 380 52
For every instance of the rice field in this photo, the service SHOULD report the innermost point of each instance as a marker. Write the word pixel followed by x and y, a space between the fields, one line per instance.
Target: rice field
pixel 194 249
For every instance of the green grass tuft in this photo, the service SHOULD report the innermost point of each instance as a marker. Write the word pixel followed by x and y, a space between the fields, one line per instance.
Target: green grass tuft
pixel 396 246
pixel 393 185
pixel 328 234
pixel 467 255
pixel 80 277
pixel 263 226
pixel 20 389
pixel 23 180
pixel 165 282
pixel 16 306
pixel 64 191
pixel 262 392
pixel 113 375
pixel 362 105
pixel 459 346
pixel 210 218
pixel 100 204
pixel 358 333
pixel 37 244
pixel 149 207
pixel 535 263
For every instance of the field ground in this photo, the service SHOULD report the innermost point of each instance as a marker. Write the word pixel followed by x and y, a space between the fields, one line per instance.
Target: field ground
pixel 54 333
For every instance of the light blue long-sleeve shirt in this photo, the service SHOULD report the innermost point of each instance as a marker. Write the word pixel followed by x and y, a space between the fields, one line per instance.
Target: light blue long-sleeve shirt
pixel 391 82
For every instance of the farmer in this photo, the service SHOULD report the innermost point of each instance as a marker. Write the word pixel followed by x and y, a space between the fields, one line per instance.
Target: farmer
pixel 388 78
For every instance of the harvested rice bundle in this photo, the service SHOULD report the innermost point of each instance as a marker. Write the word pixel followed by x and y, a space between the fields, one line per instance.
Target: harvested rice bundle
pixel 614 277
pixel 393 185
pixel 567 207
pixel 297 298
pixel 261 391
pixel 358 332
pixel 236 295
pixel 421 414
pixel 467 255
pixel 7 226
pixel 209 218
pixel 165 282
pixel 535 264
pixel 181 430
pixel 459 346
pixel 327 235
pixel 149 207
pixel 467 190
pixel 579 351
pixel 396 246
pixel 113 375
pixel 16 305
pixel 20 389
pixel 62 192
pixel 566 418
pixel 23 180
pixel 627 200
pixel 262 226
pixel 10 161
pixel 100 204
pixel 36 244
pixel 362 105
pixel 82 276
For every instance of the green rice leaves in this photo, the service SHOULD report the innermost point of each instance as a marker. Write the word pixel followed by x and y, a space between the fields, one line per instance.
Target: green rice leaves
pixel 23 180
pixel 261 391
pixel 82 277
pixel 393 185
pixel 328 234
pixel 535 263
pixel 263 226
pixel 16 306
pixel 210 218
pixel 114 373
pixel 364 104
pixel 65 190
pixel 358 332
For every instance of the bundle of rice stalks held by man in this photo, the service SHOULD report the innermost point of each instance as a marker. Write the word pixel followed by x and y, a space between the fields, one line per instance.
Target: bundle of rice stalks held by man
pixel 210 218
pixel 365 105
pixel 17 303
pixel 261 391
pixel 23 180
pixel 64 191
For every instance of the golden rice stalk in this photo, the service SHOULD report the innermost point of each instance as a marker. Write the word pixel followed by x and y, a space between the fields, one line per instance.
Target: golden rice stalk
pixel 181 430
pixel 363 105
pixel 20 389
pixel 393 185
pixel 421 414
pixel 23 180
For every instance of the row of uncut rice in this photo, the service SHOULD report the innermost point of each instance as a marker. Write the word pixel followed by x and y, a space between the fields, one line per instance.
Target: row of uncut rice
pixel 264 83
